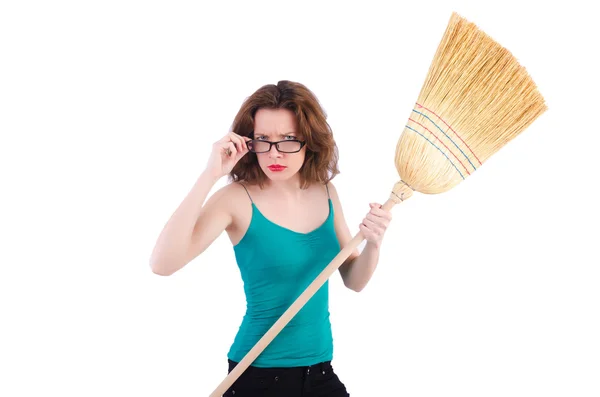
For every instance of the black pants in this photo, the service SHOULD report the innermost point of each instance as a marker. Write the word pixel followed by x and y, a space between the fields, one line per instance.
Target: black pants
pixel 317 380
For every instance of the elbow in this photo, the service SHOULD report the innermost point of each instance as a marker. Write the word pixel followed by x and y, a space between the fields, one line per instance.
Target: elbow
pixel 354 286
pixel 351 282
pixel 166 265
pixel 162 268
pixel 159 270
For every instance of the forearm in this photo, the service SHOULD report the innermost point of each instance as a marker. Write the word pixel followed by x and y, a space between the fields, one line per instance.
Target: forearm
pixel 360 269
pixel 175 238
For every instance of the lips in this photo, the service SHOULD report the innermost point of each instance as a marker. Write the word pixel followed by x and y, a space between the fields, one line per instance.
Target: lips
pixel 276 167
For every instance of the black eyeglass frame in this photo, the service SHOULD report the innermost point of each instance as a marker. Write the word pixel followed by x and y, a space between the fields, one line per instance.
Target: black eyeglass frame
pixel 302 143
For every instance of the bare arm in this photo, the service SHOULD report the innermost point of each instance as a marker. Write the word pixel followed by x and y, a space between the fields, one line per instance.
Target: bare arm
pixel 358 269
pixel 358 272
pixel 194 226
pixel 343 234
pixel 173 247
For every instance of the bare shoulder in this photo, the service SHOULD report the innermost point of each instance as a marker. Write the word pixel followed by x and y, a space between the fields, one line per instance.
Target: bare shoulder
pixel 227 201
pixel 231 191
pixel 337 206
pixel 333 193
pixel 221 212
pixel 341 227
pixel 236 199
pixel 232 196
pixel 332 188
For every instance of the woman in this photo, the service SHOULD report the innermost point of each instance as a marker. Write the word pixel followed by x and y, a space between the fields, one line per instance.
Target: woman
pixel 285 222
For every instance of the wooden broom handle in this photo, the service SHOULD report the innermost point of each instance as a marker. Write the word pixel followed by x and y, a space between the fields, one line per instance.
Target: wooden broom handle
pixel 299 302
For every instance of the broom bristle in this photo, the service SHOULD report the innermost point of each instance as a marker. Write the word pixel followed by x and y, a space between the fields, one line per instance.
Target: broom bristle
pixel 475 99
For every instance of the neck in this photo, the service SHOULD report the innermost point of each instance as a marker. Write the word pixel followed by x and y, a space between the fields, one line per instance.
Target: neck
pixel 288 188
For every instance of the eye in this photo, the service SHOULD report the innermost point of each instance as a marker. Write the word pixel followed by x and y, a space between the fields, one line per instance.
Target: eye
pixel 290 137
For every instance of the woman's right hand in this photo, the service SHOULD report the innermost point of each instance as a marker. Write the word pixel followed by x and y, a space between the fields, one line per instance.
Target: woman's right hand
pixel 225 154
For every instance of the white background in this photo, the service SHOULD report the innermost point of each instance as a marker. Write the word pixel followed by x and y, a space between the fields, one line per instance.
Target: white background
pixel 107 115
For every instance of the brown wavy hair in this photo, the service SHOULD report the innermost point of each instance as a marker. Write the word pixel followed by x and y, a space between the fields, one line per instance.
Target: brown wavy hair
pixel 320 163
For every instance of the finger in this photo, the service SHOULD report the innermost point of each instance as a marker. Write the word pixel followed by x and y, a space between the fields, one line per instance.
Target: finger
pixel 379 220
pixel 381 213
pixel 226 138
pixel 229 138
pixel 230 149
pixel 367 234
pixel 374 227
pixel 240 142
pixel 365 230
pixel 236 141
pixel 237 135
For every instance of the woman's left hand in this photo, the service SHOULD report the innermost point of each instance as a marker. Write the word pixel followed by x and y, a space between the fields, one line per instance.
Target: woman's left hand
pixel 375 224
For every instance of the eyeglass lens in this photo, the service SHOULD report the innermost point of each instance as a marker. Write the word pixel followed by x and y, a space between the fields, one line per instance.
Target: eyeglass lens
pixel 285 146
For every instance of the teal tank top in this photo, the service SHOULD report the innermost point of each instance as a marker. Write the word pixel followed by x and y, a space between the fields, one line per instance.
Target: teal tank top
pixel 276 265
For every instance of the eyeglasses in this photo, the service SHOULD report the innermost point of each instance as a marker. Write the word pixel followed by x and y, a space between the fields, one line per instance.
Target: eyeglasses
pixel 286 146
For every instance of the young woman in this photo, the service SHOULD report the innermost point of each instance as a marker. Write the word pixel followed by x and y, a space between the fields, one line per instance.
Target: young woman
pixel 285 222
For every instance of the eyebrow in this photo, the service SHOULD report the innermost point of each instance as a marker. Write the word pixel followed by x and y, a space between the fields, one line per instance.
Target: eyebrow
pixel 264 134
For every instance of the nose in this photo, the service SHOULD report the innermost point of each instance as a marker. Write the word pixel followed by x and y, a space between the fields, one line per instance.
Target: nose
pixel 274 153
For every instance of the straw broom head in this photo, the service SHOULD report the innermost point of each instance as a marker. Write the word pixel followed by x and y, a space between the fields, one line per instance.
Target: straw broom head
pixel 476 98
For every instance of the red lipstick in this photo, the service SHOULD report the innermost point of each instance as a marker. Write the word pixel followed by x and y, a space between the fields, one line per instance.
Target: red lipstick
pixel 276 167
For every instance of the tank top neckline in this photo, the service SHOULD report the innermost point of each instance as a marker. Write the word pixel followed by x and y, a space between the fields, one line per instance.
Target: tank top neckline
pixel 290 230
pixel 256 211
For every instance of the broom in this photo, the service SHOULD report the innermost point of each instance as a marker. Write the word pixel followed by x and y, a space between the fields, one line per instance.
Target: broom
pixel 475 99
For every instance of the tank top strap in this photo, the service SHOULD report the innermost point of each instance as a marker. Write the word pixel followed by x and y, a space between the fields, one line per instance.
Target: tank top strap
pixel 327 187
pixel 248 193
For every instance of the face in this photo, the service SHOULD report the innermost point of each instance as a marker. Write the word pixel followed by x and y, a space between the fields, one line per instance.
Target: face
pixel 278 125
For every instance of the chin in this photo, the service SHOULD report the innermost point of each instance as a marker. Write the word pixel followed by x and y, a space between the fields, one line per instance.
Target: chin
pixel 278 176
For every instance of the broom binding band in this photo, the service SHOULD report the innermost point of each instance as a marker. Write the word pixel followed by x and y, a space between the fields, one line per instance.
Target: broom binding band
pixel 399 198
pixel 399 193
pixel 411 188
